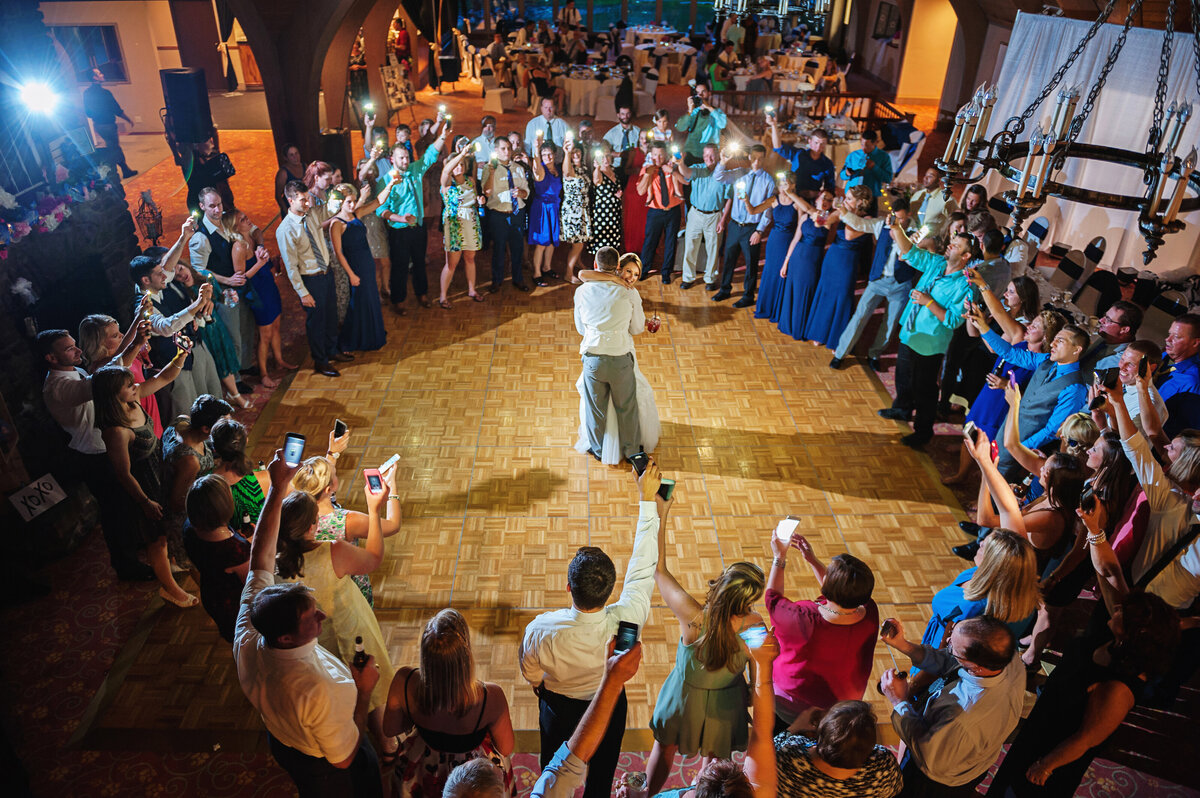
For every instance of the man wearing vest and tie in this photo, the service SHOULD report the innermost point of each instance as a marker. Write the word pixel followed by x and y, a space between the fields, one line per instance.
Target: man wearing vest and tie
pixel 506 190
pixel 306 258
pixel 1055 391
pixel 211 251
pixel 662 187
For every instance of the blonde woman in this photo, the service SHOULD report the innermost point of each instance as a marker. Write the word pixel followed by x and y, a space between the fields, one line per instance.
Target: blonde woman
pixel 702 706
pixel 1003 583
pixel 263 296
pixel 317 476
pixel 101 340
pixel 322 566
pixel 446 715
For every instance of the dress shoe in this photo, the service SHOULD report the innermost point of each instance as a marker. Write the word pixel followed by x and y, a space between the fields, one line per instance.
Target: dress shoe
pixel 129 173
pixel 745 302
pixel 686 284
pixel 399 309
pixel 967 550
pixel 836 364
pixel 874 363
pixel 916 440
pixel 710 286
pixel 494 288
pixel 523 287
pixel 326 370
pixel 970 528
pixel 895 414
pixel 721 296
pixel 592 452
pixel 342 357
pixel 424 302
pixel 667 278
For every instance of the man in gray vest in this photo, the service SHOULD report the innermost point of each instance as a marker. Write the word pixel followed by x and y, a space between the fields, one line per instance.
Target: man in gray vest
pixel 1118 328
pixel 1055 391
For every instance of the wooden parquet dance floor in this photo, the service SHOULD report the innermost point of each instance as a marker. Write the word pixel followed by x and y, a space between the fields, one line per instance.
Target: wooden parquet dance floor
pixel 480 403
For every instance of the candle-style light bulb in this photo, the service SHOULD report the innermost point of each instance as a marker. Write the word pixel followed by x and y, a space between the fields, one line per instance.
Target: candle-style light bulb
pixel 964 138
pixel 1168 123
pixel 1189 166
pixel 1060 104
pixel 1160 182
pixel 989 101
pixel 1044 170
pixel 1181 120
pixel 1035 144
pixel 960 119
pixel 1068 113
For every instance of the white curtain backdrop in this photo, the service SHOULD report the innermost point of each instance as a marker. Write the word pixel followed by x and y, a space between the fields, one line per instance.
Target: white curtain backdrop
pixel 1121 117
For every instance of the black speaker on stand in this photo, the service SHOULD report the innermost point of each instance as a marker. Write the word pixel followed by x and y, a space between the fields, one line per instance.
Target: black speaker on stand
pixel 186 96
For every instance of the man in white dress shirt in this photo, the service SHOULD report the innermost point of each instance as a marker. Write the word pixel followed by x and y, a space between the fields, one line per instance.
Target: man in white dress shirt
pixel 608 315
pixel 563 652
pixel 551 128
pixel 313 705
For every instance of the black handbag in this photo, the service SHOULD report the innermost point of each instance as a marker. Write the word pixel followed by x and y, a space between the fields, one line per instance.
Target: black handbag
pixel 224 169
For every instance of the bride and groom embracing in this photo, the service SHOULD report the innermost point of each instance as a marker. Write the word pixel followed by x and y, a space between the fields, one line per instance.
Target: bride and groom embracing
pixel 617 414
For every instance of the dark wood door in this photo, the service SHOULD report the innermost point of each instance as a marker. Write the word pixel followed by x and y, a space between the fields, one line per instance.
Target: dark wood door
pixel 196 32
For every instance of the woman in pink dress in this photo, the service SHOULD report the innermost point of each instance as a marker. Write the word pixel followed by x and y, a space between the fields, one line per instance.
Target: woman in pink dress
pixel 634 220
pixel 825 646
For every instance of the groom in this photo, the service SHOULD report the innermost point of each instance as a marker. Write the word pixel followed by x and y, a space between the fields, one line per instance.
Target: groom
pixel 608 315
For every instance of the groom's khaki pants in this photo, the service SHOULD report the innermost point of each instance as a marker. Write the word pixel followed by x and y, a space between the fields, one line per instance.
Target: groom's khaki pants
pixel 606 376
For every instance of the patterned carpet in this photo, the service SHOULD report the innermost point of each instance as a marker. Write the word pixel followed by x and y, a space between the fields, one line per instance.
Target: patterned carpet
pixel 72 650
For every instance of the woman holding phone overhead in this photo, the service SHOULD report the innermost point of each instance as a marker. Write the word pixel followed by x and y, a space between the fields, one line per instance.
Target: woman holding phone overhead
pixel 702 706
pixel 317 476
pixel 826 646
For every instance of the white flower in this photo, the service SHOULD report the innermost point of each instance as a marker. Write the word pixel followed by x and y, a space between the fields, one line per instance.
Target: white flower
pixel 7 200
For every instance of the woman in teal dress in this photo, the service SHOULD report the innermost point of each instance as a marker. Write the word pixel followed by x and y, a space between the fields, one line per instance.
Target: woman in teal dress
pixel 702 706
pixel 215 335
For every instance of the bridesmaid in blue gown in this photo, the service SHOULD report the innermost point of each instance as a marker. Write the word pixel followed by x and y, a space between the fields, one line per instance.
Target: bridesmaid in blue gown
pixel 363 329
pixel 783 228
pixel 545 213
pixel 802 267
pixel 833 302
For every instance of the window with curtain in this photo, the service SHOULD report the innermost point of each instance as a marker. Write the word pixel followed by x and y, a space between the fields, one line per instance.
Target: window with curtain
pixel 92 47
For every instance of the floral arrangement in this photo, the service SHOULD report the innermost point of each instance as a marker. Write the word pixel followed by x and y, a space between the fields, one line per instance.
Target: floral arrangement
pixel 52 206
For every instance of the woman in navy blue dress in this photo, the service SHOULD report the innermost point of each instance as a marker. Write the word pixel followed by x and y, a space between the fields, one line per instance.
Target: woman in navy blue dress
pixel 802 267
pixel 545 211
pixel 779 241
pixel 263 294
pixel 833 302
pixel 362 329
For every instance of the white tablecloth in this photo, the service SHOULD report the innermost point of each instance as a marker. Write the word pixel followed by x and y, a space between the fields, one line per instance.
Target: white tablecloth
pixel 648 33
pixel 797 62
pixel 581 95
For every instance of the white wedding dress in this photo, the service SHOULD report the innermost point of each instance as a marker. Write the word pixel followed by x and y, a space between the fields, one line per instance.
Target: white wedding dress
pixel 651 427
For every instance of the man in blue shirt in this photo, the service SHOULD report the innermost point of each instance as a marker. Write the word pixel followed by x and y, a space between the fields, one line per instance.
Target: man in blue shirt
pixel 707 214
pixel 812 167
pixel 402 207
pixel 1182 373
pixel 752 187
pixel 703 125
pixel 1055 391
pixel 870 166
pixel 928 321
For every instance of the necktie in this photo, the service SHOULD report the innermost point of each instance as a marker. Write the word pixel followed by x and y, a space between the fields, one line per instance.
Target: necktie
pixel 624 140
pixel 663 191
pixel 512 200
pixel 318 254
pixel 549 133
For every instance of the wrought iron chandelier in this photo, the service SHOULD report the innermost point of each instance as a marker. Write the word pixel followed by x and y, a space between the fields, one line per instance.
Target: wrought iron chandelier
pixel 1032 165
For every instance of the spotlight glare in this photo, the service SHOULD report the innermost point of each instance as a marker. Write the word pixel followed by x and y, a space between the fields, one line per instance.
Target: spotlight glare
pixel 38 97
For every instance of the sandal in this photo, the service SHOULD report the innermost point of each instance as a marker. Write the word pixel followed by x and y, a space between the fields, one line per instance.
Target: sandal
pixel 478 298
pixel 240 401
pixel 540 282
pixel 188 603
pixel 444 305
pixel 551 274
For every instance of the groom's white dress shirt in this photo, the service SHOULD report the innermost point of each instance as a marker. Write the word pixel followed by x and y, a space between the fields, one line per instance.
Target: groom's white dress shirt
pixel 607 315
pixel 564 649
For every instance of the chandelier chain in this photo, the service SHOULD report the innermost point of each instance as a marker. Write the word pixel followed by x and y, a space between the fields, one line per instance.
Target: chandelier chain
pixel 1160 92
pixel 1018 123
pixel 1109 62
pixel 1195 37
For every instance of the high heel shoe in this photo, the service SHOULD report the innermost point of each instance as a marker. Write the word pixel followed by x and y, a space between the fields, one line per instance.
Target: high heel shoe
pixel 240 401
pixel 186 604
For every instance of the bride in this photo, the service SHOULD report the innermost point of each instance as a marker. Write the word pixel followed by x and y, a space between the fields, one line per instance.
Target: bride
pixel 628 273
